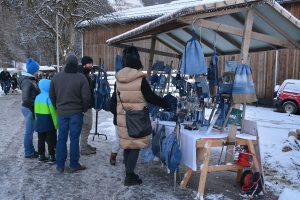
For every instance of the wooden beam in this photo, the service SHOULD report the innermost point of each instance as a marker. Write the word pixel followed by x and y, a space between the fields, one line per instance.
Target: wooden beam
pixel 177 39
pixel 207 43
pixel 169 46
pixel 214 168
pixel 137 39
pixel 187 18
pixel 278 29
pixel 145 50
pixel 229 39
pixel 151 56
pixel 238 31
pixel 241 20
pixel 247 36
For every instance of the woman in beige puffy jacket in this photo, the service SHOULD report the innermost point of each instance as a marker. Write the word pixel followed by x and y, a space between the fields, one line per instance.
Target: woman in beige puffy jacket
pixel 135 92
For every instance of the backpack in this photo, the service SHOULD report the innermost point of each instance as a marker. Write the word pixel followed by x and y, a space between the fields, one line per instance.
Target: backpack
pixel 102 91
pixel 157 142
pixel 171 151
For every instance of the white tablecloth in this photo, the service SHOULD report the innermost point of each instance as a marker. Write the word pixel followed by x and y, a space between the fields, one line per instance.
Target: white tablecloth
pixel 188 142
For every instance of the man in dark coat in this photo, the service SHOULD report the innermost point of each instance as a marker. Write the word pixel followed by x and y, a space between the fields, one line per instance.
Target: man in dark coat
pixel 5 78
pixel 70 94
pixel 28 85
pixel 85 69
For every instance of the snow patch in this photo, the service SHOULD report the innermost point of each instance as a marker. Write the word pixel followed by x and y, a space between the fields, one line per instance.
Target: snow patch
pixel 289 194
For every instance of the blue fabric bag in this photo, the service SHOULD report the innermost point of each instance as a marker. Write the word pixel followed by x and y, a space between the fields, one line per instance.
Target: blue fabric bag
pixel 102 91
pixel 118 63
pixel 193 61
pixel 171 151
pixel 157 142
pixel 243 90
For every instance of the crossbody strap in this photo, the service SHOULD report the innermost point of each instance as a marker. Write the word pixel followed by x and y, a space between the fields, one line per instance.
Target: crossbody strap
pixel 118 92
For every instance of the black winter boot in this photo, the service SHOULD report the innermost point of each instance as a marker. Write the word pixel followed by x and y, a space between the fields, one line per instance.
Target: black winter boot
pixel 132 179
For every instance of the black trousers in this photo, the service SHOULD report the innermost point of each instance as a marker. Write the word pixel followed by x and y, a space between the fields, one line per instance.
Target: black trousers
pixel 51 139
pixel 130 159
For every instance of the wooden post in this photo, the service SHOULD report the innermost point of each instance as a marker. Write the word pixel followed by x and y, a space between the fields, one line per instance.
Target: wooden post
pixel 244 56
pixel 151 56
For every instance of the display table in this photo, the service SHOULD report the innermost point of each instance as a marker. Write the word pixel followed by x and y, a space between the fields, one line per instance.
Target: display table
pixel 198 142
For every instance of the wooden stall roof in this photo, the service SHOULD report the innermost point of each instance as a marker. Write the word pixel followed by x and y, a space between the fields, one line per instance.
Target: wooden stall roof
pixel 219 24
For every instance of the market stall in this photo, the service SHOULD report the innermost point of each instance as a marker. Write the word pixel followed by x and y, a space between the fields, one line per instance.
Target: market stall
pixel 216 28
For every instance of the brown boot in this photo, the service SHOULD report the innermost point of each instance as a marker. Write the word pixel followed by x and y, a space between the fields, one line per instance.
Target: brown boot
pixel 113 157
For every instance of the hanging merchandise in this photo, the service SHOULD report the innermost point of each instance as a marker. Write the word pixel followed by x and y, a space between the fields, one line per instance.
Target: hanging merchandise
pixel 157 142
pixel 171 152
pixel 213 76
pixel 172 102
pixel 223 109
pixel 162 81
pixel 201 86
pixel 193 61
pixel 147 154
pixel 158 66
pixel 231 65
pixel 243 90
pixel 102 90
pixel 118 63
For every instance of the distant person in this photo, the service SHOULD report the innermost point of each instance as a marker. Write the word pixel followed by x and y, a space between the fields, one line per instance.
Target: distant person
pixel 134 91
pixel 46 122
pixel 70 95
pixel 28 85
pixel 14 82
pixel 6 80
pixel 86 68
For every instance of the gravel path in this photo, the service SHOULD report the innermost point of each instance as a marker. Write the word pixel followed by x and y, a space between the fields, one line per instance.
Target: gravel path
pixel 27 179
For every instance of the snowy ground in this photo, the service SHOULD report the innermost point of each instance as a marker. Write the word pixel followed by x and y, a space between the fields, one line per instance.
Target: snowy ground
pixel 27 179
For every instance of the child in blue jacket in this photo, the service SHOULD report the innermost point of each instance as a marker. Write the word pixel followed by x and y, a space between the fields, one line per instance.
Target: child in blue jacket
pixel 46 122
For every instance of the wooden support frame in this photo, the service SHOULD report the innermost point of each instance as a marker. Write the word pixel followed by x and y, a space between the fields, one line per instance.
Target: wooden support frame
pixel 205 145
pixel 238 31
pixel 151 56
pixel 169 46
pixel 161 53
pixel 279 30
pixel 205 42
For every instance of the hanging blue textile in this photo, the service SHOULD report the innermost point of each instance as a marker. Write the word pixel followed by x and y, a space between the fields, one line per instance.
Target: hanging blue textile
pixel 118 63
pixel 193 61
pixel 213 76
pixel 102 90
pixel 243 90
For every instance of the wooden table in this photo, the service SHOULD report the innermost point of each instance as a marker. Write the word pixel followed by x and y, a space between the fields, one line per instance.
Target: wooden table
pixel 205 147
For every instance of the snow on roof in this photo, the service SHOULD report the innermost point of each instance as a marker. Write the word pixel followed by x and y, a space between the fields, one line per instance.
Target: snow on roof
pixel 142 13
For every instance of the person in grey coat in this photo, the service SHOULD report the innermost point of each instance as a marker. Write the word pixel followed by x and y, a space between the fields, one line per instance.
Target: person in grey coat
pixel 70 94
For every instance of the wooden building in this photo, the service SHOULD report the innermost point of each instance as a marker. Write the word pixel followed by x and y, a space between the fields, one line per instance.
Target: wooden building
pixel 266 72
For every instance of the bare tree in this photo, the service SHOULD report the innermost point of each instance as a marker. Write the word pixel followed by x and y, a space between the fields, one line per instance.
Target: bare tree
pixel 34 27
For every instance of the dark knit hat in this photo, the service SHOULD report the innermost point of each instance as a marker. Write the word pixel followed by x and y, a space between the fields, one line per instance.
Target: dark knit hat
pixel 131 58
pixel 32 66
pixel 86 60
pixel 71 64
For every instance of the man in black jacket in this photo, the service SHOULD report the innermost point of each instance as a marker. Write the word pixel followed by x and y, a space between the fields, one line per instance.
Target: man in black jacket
pixel 28 85
pixel 86 68
pixel 5 78
pixel 70 94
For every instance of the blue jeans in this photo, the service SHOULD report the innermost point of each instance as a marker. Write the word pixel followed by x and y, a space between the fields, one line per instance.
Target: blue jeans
pixel 7 85
pixel 29 129
pixel 73 125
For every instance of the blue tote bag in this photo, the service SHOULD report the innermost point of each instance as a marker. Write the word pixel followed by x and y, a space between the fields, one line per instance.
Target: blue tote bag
pixel 243 90
pixel 193 61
